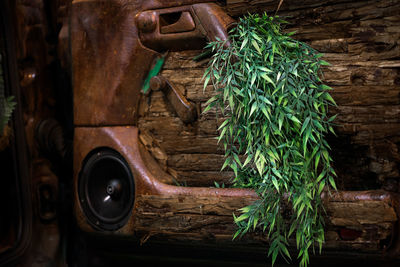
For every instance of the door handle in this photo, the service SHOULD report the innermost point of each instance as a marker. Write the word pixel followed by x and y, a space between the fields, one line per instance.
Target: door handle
pixel 185 109
pixel 183 28
pixel 185 23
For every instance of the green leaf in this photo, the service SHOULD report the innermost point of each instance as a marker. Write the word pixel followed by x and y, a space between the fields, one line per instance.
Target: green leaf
pixel 285 250
pixel 245 209
pixel 264 110
pixel 226 163
pixel 248 159
pixel 325 154
pixel 324 63
pixel 253 108
pixel 266 139
pixel 253 78
pixel 208 108
pixel 325 87
pixel 264 69
pixel 153 72
pixel 276 173
pixel 305 124
pixel 266 100
pixel 332 118
pixel 223 124
pixel 206 81
pixel 236 234
pixel 329 98
pixel 332 182
pixel 271 154
pixel 321 175
pixel 317 157
pixel 254 43
pixel 255 221
pixel 294 118
pixel 242 217
pixel 268 79
pixel 244 43
pixel 212 99
pixel 234 168
pixel 275 182
pixel 280 120
pixel 318 124
pixel 274 255
pixel 321 187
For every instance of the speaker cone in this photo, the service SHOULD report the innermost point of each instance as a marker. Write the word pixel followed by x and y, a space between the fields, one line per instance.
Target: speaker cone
pixel 106 189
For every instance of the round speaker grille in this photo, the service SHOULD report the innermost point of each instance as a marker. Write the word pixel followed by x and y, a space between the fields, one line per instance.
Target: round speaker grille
pixel 106 189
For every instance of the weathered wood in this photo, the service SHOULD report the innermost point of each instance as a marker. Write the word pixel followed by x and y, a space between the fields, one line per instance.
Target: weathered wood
pixel 196 162
pixel 201 178
pixel 210 219
pixel 361 41
pixel 154 148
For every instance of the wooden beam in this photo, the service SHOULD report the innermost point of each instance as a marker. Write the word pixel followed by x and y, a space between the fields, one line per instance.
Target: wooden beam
pixel 210 220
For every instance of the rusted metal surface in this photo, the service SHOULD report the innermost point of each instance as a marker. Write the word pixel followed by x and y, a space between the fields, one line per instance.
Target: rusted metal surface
pixel 185 109
pixel 214 22
pixel 183 27
pixel 185 23
pixel 157 82
pixel 110 63
pixel 174 41
pixel 156 4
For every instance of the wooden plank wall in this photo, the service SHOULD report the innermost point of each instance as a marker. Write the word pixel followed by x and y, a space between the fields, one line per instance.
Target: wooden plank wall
pixel 209 219
pixel 361 41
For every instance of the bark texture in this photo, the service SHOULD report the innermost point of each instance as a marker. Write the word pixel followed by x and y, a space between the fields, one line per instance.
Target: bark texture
pixel 210 219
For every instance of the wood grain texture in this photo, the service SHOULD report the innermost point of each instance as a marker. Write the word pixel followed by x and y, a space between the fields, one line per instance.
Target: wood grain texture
pixel 361 41
pixel 210 219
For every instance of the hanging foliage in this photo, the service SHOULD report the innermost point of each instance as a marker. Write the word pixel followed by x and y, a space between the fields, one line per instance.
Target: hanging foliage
pixel 275 107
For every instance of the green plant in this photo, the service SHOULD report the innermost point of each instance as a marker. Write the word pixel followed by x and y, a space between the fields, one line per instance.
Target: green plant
pixel 7 104
pixel 275 107
pixel 217 185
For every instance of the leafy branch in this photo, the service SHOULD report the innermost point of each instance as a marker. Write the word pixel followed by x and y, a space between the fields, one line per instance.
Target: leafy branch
pixel 275 107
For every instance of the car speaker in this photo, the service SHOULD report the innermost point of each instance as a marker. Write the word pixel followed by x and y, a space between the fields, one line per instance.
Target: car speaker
pixel 106 189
